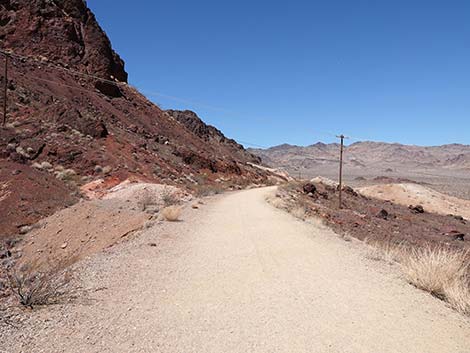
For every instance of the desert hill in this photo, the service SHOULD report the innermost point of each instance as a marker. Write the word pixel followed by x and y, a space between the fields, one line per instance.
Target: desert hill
pixel 73 117
pixel 368 156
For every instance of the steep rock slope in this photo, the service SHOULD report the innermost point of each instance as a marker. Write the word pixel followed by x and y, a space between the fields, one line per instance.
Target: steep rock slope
pixel 211 134
pixel 71 114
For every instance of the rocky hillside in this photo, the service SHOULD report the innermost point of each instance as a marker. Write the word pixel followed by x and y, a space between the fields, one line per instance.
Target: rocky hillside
pixel 210 133
pixel 72 117
pixel 368 157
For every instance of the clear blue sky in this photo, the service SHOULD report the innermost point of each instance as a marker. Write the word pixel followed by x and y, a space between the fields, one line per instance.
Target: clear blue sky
pixel 270 72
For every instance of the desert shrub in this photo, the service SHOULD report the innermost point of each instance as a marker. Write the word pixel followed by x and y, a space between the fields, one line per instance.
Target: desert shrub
pixel 441 271
pixel 457 293
pixel 147 200
pixel 207 190
pixel 169 198
pixel 32 288
pixel 171 213
pixel 66 175
pixel 291 186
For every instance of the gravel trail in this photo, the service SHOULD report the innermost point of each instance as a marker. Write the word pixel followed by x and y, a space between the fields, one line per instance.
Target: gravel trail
pixel 238 275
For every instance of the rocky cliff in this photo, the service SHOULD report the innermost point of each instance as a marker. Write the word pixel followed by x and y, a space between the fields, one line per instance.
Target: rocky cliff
pixel 72 116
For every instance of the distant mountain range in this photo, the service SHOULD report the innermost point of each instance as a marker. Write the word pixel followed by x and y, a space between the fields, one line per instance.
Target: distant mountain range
pixel 368 157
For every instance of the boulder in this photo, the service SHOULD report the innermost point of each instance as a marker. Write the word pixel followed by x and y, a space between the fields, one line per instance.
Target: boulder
pixel 309 188
pixel 349 190
pixel 416 209
pixel 455 235
pixel 382 214
pixel 108 89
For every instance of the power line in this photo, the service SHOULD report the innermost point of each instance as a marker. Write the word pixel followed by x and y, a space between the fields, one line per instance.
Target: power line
pixel 187 101
pixel 61 67
pixel 342 137
pixel 5 90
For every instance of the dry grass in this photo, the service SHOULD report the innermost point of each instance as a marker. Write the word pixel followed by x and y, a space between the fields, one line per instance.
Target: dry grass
pixel 171 213
pixel 386 250
pixel 441 271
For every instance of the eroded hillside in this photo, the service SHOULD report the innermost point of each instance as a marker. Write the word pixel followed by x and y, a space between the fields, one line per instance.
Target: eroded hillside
pixel 73 117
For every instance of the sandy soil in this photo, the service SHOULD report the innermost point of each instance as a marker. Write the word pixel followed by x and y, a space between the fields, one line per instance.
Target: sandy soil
pixel 80 231
pixel 238 275
pixel 415 194
pixel 88 227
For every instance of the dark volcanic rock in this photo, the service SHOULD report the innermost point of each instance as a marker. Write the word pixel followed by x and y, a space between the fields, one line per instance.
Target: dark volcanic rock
pixel 382 214
pixel 309 188
pixel 349 190
pixel 64 32
pixel 207 132
pixel 455 235
pixel 416 209
pixel 108 89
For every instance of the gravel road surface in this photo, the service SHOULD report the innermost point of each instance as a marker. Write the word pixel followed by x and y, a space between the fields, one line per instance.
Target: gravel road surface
pixel 238 275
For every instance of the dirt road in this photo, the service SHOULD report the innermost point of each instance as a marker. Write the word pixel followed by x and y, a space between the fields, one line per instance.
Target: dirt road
pixel 238 275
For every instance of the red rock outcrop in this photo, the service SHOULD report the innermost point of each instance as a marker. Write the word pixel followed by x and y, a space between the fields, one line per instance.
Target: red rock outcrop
pixel 76 127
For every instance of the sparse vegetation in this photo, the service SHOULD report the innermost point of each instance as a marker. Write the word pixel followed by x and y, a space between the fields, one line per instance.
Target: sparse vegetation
pixel 171 213
pixel 35 288
pixel 290 187
pixel 207 190
pixel 169 198
pixel 388 250
pixel 434 267
pixel 441 271
pixel 66 175
pixel 146 201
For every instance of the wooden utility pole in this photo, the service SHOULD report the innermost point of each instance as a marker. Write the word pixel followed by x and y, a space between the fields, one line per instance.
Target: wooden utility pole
pixel 5 89
pixel 340 186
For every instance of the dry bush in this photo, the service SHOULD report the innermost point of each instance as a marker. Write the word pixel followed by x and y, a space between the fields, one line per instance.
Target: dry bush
pixel 291 186
pixel 146 200
pixel 207 190
pixel 32 288
pixel 441 271
pixel 169 198
pixel 171 213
